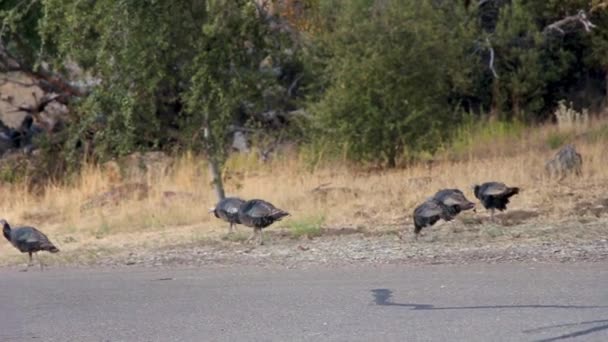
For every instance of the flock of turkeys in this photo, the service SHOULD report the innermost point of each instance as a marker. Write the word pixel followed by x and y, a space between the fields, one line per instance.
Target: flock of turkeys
pixel 259 214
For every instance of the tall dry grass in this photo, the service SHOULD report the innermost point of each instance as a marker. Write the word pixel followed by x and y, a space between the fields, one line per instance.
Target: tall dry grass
pixel 342 195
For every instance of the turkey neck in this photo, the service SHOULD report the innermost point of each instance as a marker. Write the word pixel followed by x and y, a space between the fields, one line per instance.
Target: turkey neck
pixel 6 231
pixel 476 191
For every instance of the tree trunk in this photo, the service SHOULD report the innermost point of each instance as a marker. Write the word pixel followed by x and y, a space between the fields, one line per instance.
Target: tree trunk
pixel 516 107
pixel 218 185
pixel 392 157
pixel 495 105
pixel 214 167
pixel 605 104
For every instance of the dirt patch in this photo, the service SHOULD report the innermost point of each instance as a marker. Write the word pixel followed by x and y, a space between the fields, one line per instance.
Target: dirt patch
pixel 516 217
pixel 507 218
pixel 597 208
pixel 345 231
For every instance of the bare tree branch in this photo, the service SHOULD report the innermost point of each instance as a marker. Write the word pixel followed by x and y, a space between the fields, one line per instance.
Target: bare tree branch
pixel 293 85
pixel 580 17
pixel 491 63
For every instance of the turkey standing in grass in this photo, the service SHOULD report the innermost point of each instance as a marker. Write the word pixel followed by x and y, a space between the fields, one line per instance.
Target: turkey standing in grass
pixel 28 240
pixel 454 200
pixel 428 213
pixel 494 195
pixel 259 214
pixel 228 210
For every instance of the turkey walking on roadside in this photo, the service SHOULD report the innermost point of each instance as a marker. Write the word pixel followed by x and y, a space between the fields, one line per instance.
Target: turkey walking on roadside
pixel 428 213
pixel 494 195
pixel 228 210
pixel 259 214
pixel 454 200
pixel 28 240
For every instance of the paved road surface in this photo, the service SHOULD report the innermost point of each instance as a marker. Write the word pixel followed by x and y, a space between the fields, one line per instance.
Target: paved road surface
pixel 377 303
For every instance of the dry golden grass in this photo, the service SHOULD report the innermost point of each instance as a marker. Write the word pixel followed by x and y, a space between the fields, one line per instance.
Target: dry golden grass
pixel 344 196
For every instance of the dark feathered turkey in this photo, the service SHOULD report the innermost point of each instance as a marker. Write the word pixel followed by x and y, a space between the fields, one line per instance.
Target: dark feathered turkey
pixel 28 240
pixel 454 200
pixel 428 213
pixel 494 195
pixel 228 210
pixel 259 214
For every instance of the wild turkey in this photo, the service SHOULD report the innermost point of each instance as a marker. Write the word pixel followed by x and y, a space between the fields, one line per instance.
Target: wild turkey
pixel 454 200
pixel 428 213
pixel 494 195
pixel 228 210
pixel 28 240
pixel 259 214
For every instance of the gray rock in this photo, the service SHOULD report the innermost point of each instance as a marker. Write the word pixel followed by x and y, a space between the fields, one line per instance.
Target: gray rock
pixel 565 162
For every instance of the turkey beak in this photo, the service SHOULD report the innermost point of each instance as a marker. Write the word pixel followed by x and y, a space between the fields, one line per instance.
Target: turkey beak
pixel 211 210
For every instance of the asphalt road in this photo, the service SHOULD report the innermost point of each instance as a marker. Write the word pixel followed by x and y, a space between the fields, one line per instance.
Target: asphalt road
pixel 505 302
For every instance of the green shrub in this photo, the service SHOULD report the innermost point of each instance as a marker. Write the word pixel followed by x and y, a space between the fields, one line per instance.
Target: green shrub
pixel 474 132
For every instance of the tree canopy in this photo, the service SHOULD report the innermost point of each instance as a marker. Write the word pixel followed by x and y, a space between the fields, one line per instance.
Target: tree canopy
pixel 374 80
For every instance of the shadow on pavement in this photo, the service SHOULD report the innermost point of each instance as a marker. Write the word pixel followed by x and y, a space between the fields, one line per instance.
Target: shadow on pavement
pixel 574 334
pixel 383 297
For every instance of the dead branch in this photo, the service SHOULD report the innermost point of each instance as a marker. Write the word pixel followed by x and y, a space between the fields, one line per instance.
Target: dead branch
pixel 580 17
pixel 36 109
pixel 320 187
pixel 39 106
pixel 491 63
pixel 293 85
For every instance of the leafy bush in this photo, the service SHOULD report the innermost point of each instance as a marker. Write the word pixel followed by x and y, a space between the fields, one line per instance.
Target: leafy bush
pixel 389 75
pixel 476 132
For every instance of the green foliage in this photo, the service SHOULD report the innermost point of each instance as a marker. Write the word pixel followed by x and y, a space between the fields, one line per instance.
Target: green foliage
pixel 527 61
pixel 307 226
pixel 558 139
pixel 12 172
pixel 19 31
pixel 382 81
pixel 168 70
pixel 390 72
pixel 475 132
